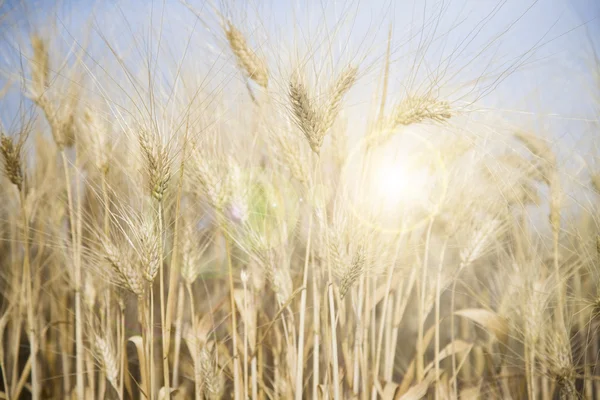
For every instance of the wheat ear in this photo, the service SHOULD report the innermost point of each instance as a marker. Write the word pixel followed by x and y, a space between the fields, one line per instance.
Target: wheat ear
pixel 252 65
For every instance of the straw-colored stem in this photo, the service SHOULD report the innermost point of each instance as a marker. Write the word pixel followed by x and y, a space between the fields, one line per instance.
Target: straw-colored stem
pixel 31 322
pixel 123 353
pixel 173 266
pixel 421 311
pixel 384 311
pixel 254 377
pixel 178 335
pixel 453 333
pixel 65 346
pixel 236 372
pixel 438 290
pixel 163 317
pixel 146 333
pixel 77 282
pixel 151 363
pixel 300 357
pixel 358 338
pixel 316 336
pixel 197 382
pixel 530 369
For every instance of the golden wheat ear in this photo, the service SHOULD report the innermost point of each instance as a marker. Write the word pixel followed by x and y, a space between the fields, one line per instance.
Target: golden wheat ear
pixel 305 115
pixel 40 66
pixel 249 62
pixel 315 120
pixel 11 154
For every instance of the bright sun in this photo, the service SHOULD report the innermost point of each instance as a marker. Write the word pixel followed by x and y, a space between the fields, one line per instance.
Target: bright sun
pixel 393 187
pixel 397 182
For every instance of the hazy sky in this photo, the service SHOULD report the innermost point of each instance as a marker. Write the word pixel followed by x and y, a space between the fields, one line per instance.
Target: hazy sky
pixel 550 41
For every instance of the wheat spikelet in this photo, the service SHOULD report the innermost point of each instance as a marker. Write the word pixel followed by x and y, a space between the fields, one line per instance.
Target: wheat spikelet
pixel 353 272
pixel 561 364
pixel 306 117
pixel 412 110
pixel 275 268
pixel 518 163
pixel 89 293
pixel 126 274
pixel 62 124
pixel 555 201
pixel 11 154
pixel 190 268
pixel 108 360
pixel 416 109
pixel 291 156
pixel 237 209
pixel 208 180
pixel 61 119
pixel 191 254
pixel 40 66
pixel 252 65
pixel 336 254
pixel 343 84
pixel 68 122
pixel 532 311
pixel 210 375
pixel 282 283
pixel 149 251
pixel 157 164
pixel 539 148
pixel 98 137
pixel 315 122
pixel 478 242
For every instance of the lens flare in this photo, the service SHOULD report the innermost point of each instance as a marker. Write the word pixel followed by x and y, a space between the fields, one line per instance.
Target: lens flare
pixel 395 187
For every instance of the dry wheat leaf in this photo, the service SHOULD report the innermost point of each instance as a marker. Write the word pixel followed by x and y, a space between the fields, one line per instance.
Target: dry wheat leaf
pixel 389 391
pixel 419 390
pixel 410 372
pixel 455 347
pixel 139 345
pixel 491 321
pixel 470 393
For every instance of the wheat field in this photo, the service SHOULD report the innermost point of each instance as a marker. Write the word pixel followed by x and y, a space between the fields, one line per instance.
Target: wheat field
pixel 205 200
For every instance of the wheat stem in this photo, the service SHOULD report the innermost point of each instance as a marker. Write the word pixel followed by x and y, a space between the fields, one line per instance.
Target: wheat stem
pixel 421 313
pixel 236 372
pixel 77 282
pixel 300 357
